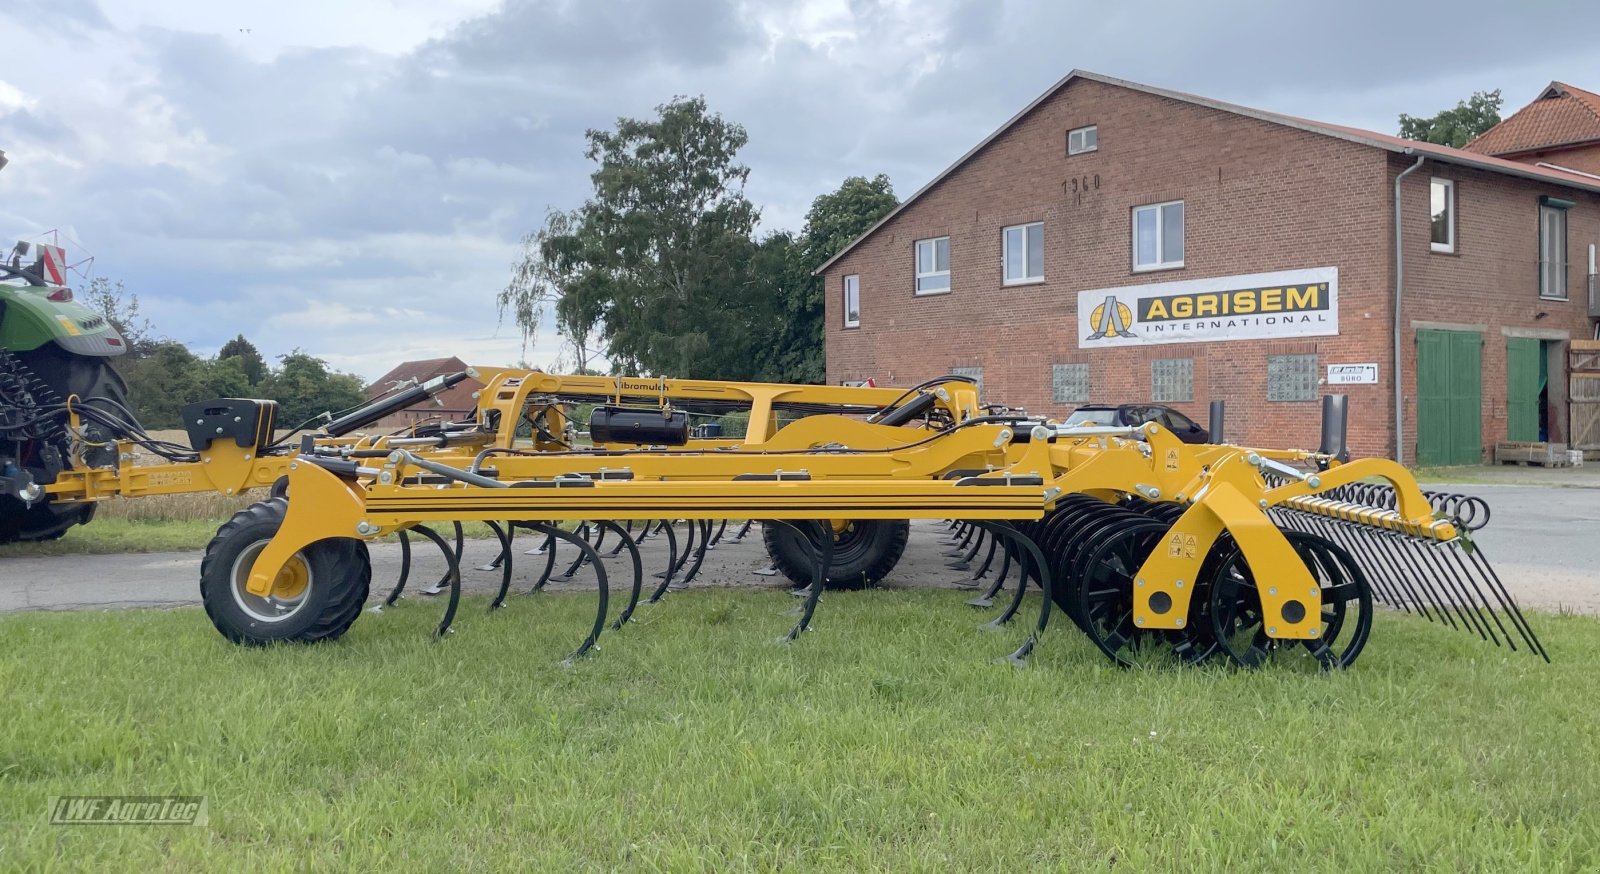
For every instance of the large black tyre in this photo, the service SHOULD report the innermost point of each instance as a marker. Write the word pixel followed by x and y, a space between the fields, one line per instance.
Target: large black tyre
pixel 863 553
pixel 57 374
pixel 317 598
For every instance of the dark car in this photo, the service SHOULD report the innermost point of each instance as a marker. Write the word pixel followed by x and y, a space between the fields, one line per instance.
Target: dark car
pixel 1138 414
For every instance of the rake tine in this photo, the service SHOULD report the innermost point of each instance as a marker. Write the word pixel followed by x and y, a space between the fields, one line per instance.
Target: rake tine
pixel 1473 585
pixel 405 573
pixel 1345 534
pixel 452 575
pixel 700 552
pixel 600 579
pixel 1504 596
pixel 638 574
pixel 822 545
pixel 672 562
pixel 1381 545
pixel 1460 587
pixel 1400 544
pixel 505 574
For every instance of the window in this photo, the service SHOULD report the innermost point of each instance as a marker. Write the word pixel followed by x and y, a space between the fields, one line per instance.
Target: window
pixel 1291 377
pixel 1443 209
pixel 1172 379
pixel 1158 236
pixel 1179 423
pixel 1022 253
pixel 974 373
pixel 1553 251
pixel 1069 383
pixel 933 265
pixel 852 301
pixel 1083 139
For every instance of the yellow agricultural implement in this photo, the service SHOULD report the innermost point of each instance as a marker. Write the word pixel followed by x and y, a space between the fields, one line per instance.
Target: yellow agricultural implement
pixel 1156 549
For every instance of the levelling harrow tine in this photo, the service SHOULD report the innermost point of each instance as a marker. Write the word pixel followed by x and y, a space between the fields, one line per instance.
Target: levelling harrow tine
pixel 504 536
pixel 638 573
pixel 452 576
pixel 600 580
pixel 672 561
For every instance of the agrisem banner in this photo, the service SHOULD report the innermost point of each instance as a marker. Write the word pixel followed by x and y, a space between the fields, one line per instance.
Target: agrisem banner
pixel 1257 306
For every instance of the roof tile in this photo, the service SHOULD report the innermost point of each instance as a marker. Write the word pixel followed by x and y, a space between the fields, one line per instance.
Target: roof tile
pixel 1561 116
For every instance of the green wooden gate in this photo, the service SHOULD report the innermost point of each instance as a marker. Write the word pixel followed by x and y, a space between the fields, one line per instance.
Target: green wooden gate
pixel 1523 381
pixel 1449 397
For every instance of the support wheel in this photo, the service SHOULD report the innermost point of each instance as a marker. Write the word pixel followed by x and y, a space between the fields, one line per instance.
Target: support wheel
pixel 316 597
pixel 864 552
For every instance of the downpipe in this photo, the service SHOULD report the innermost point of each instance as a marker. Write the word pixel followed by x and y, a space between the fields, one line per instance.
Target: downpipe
pixel 1399 293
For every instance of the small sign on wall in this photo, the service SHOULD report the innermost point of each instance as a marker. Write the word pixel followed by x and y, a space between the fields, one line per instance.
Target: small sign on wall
pixel 1352 374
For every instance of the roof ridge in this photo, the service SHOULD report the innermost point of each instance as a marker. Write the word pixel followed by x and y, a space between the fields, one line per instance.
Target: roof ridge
pixel 1589 100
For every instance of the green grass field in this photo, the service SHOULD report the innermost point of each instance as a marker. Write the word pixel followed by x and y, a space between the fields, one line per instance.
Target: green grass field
pixel 887 739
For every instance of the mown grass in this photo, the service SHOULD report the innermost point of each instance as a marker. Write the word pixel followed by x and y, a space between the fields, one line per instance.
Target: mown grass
pixel 887 739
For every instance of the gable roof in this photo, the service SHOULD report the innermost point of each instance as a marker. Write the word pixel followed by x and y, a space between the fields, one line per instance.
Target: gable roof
pixel 1561 116
pixel 1350 134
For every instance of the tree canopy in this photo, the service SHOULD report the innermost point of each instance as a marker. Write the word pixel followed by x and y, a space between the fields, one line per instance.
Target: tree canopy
pixel 1455 127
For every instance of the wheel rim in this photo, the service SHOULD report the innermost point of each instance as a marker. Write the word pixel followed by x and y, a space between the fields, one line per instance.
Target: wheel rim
pixel 290 592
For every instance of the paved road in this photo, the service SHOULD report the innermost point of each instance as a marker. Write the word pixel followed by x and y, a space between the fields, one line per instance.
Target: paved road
pixel 1545 542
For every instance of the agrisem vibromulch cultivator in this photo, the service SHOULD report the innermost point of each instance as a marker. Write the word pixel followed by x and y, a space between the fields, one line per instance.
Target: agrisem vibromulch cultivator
pixel 1157 550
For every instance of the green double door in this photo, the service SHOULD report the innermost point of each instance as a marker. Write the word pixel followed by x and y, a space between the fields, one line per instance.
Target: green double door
pixel 1449 397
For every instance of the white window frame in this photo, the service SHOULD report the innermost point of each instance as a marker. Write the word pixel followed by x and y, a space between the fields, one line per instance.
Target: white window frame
pixel 1561 275
pixel 1081 133
pixel 1005 252
pixel 916 262
pixel 1448 247
pixel 852 288
pixel 1133 237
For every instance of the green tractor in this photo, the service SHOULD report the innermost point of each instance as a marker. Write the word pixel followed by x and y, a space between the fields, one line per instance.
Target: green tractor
pixel 52 349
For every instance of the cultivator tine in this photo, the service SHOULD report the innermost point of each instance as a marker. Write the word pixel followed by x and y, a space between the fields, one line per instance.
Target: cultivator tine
pixel 986 599
pixel 967 537
pixel 965 561
pixel 672 563
pixel 504 560
pixel 638 573
pixel 626 538
pixel 405 574
pixel 549 550
pixel 717 537
pixel 1446 581
pixel 700 552
pixel 452 576
pixel 600 580
pixel 577 563
pixel 743 530
pixel 983 569
pixel 820 537
pixel 1029 555
pixel 505 550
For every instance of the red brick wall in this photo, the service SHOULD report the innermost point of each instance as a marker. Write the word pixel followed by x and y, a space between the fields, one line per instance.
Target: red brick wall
pixel 1492 279
pixel 1258 197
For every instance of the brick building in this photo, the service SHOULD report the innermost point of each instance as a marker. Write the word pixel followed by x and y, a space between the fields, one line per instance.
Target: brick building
pixel 1115 242
pixel 454 404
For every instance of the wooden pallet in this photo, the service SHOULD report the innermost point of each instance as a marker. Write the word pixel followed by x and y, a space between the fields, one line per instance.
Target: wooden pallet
pixel 1531 453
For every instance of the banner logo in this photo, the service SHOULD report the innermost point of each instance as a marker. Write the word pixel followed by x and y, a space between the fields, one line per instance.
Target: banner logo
pixel 1290 303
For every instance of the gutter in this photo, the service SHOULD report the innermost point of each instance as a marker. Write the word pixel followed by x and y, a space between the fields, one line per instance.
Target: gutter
pixel 1399 293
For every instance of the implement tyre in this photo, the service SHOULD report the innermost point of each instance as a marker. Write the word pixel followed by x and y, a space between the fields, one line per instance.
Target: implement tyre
pixel 316 598
pixel 863 553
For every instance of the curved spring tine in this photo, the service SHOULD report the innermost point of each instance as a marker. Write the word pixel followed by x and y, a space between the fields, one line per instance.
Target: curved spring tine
pixel 965 561
pixel 600 578
pixel 1016 598
pixel 549 550
pixel 504 536
pixel 688 548
pixel 961 545
pixel 583 533
pixel 988 560
pixel 505 549
pixel 987 598
pixel 405 572
pixel 717 537
pixel 821 539
pixel 627 536
pixel 638 573
pixel 672 561
pixel 1001 529
pixel 452 576
pixel 700 551
pixel 743 530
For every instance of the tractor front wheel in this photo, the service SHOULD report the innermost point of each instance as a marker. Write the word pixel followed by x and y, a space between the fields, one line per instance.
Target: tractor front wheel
pixel 316 596
pixel 864 552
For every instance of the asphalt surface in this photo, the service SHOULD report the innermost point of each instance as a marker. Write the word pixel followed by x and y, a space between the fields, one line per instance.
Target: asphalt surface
pixel 1544 542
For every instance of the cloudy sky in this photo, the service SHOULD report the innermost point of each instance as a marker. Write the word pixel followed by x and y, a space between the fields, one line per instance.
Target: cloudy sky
pixel 351 177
